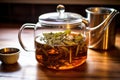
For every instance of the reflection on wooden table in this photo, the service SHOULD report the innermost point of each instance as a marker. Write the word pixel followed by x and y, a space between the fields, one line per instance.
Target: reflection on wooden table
pixel 99 65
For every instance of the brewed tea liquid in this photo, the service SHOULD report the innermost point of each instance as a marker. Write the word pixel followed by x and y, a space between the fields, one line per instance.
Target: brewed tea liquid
pixel 60 57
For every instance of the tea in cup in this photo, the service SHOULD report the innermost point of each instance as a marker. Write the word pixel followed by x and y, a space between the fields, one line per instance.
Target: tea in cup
pixel 9 55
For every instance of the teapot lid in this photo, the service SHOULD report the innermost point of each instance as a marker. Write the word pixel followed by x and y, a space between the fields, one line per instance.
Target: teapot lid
pixel 60 17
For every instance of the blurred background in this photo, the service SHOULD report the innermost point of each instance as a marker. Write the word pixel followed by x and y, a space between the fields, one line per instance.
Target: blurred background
pixel 27 11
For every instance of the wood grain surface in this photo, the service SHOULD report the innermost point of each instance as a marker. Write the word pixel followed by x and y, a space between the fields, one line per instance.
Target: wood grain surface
pixel 100 65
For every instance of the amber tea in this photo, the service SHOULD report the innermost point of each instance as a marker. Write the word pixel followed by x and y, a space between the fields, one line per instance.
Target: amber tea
pixel 62 50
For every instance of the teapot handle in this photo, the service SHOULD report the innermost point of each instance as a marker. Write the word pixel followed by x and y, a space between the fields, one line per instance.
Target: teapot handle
pixel 24 26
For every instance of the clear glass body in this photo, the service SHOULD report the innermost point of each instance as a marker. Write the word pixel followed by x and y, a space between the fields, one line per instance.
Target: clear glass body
pixel 60 47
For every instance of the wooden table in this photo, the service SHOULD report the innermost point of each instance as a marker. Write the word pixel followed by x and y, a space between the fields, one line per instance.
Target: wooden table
pixel 100 65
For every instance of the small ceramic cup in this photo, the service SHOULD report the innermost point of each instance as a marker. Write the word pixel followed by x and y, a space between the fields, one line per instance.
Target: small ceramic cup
pixel 9 55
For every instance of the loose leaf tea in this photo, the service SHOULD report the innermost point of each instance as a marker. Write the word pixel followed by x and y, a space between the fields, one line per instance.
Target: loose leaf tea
pixel 65 38
pixel 61 50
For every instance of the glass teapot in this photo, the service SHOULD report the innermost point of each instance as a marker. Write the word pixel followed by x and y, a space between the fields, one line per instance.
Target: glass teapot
pixel 61 39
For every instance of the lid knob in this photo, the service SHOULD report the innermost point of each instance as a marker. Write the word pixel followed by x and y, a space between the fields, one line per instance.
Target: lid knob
pixel 61 10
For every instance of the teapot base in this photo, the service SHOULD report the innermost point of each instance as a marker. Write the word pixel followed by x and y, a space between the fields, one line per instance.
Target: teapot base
pixel 67 66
